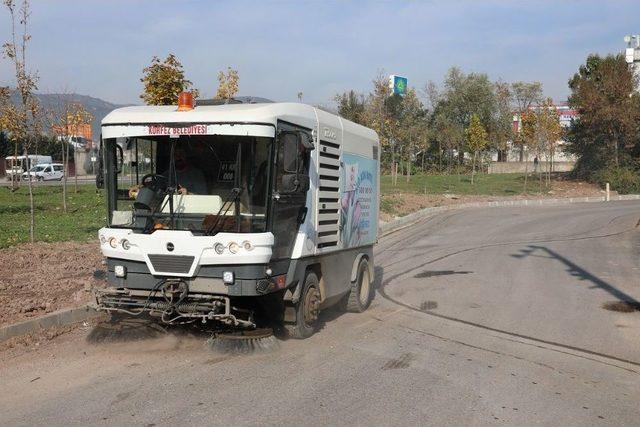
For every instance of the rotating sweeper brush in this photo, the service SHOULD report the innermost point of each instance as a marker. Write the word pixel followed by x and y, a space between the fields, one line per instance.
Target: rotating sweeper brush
pixel 244 342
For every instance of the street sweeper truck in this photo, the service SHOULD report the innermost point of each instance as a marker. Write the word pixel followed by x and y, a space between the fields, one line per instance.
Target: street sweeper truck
pixel 239 214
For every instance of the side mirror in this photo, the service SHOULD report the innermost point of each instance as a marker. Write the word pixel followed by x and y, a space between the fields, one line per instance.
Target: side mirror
pixel 100 171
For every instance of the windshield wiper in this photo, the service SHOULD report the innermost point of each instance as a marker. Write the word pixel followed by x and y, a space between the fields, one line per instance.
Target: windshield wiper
pixel 231 199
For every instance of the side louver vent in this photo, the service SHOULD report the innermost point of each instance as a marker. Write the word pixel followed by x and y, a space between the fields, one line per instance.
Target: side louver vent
pixel 328 202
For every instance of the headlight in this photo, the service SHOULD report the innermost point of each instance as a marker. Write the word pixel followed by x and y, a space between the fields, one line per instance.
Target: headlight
pixel 113 242
pixel 120 270
pixel 227 277
pixel 126 245
pixel 219 248
pixel 247 245
pixel 103 239
pixel 234 247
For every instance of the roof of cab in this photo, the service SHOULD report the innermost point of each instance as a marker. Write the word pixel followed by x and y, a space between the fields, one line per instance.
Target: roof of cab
pixel 256 113
pixel 267 113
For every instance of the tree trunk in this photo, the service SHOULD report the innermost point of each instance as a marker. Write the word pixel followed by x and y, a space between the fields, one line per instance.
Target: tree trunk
pixel 393 164
pixel 521 153
pixel 408 170
pixel 473 167
pixel 65 162
pixel 75 175
pixel 14 186
pixel 32 211
pixel 526 174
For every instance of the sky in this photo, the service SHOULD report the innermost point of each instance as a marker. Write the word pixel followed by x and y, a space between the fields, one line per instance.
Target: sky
pixel 320 48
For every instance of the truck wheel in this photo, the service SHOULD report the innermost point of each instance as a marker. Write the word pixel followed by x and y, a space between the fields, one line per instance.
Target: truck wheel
pixel 307 309
pixel 359 297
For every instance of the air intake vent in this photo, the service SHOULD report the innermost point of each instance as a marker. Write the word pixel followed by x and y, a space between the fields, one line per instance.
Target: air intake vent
pixel 180 264
pixel 328 203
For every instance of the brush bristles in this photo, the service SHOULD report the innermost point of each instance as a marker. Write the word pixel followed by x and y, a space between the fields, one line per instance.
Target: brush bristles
pixel 224 345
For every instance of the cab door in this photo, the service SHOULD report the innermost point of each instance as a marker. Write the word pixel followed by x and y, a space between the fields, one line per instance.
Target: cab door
pixel 290 186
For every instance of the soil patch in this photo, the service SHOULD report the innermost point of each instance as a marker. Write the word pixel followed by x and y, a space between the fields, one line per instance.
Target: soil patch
pixel 41 278
pixel 622 306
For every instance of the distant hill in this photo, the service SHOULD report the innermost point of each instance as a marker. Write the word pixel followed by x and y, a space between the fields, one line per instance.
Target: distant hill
pixel 96 106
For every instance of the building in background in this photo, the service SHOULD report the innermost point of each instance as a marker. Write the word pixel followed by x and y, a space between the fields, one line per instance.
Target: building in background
pixel 632 52
pixel 566 115
pixel 81 137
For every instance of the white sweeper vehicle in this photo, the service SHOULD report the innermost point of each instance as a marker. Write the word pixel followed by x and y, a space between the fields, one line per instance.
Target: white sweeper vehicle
pixel 246 215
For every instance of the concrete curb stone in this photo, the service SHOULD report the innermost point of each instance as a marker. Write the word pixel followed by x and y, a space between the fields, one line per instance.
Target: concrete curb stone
pixel 57 318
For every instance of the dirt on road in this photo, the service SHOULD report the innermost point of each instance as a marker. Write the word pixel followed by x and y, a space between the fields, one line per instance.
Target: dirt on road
pixel 40 278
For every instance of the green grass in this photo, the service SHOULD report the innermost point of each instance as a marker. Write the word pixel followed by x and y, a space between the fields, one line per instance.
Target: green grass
pixel 484 185
pixel 86 214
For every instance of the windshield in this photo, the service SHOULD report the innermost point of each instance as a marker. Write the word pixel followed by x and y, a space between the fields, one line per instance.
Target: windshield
pixel 205 184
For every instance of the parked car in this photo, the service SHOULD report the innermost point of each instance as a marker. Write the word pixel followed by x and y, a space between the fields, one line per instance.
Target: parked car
pixel 45 172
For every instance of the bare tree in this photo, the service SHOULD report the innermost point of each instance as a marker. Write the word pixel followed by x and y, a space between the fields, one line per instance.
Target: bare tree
pixel 65 118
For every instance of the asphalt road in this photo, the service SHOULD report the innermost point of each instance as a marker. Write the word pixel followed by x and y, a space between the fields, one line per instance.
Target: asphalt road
pixel 484 316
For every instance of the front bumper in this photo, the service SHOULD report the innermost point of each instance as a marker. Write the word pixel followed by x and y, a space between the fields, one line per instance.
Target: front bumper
pixel 249 280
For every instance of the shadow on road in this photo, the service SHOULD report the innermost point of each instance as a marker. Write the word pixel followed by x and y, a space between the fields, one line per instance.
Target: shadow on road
pixel 576 271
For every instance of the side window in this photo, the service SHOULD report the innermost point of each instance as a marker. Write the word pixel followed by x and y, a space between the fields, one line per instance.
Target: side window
pixel 48 169
pixel 57 168
pixel 293 163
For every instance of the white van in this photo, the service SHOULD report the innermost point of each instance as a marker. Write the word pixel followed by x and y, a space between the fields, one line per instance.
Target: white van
pixel 45 172
pixel 17 165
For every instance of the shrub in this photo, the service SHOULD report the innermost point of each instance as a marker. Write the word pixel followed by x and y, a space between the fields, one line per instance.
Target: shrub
pixel 623 180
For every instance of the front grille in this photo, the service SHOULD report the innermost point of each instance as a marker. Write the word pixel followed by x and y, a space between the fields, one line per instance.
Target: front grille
pixel 171 263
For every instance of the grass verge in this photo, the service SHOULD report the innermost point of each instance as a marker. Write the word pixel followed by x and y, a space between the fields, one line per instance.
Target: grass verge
pixel 85 214
pixel 484 185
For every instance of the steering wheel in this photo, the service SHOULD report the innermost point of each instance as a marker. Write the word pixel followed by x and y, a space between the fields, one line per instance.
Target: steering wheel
pixel 154 181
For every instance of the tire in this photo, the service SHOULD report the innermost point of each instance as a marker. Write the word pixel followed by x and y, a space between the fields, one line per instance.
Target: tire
pixel 40 179
pixel 306 309
pixel 361 293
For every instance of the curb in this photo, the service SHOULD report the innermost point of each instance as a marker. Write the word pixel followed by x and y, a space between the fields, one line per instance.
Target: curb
pixel 412 218
pixel 57 318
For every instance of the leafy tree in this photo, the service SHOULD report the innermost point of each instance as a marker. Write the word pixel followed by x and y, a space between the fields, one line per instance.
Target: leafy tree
pixel 477 140
pixel 525 95
pixel 21 120
pixel 528 139
pixel 351 106
pixel 464 95
pixel 501 130
pixel 163 81
pixel 604 92
pixel 227 84
pixel 549 132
